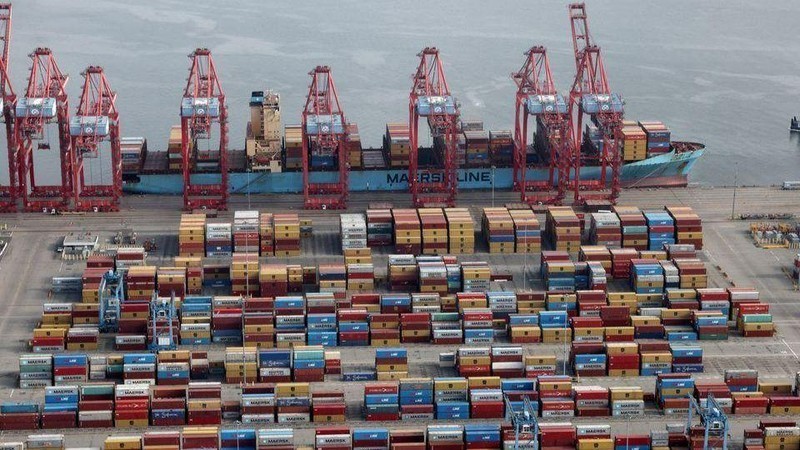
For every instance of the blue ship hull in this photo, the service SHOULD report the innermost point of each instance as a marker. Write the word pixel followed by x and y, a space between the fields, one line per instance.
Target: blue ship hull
pixel 670 169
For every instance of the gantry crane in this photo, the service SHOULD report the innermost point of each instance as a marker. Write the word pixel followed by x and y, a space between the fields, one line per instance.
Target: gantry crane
pixel 591 95
pixel 96 122
pixel 9 99
pixel 162 323
pixel 537 97
pixel 525 423
pixel 111 295
pixel 324 143
pixel 43 107
pixel 430 98
pixel 203 106
pixel 713 420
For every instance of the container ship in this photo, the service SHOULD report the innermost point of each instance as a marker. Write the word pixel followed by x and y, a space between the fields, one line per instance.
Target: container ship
pixel 271 162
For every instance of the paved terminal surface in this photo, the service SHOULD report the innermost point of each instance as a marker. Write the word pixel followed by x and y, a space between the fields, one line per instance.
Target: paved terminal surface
pixel 733 260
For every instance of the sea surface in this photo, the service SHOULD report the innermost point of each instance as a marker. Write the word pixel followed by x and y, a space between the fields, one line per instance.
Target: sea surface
pixel 722 72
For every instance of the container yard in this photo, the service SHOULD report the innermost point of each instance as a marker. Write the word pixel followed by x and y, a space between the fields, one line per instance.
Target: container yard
pixel 354 339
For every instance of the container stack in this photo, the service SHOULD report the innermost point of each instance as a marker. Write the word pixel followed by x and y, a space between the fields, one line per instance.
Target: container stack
pixel 191 235
pixel 354 329
pixel 660 230
pixel 415 328
pixel 219 239
pixel 460 231
pixel 19 416
pixel 196 315
pixel 266 235
pixel 477 323
pixel 274 365
pixel 361 276
pixel 352 145
pixel 692 273
pixel 353 231
pixel 477 148
pixel 290 321
pixel 524 328
pixel 174 149
pixel 558 271
pixel 563 229
pixel 686 358
pixel 273 280
pixel 623 359
pixel 591 401
pixel 398 142
pixel 287 234
pixel 332 278
pixel 402 272
pixel 476 276
pixel 391 363
pixel 293 145
pixel 754 320
pixel 309 363
pixel 416 399
pixel 688 226
pixel 527 234
pixel 171 282
pixel 658 137
pixel 501 147
pixel 379 227
pixel 241 365
pixel 245 232
pixel 173 368
pixel 407 231
pixel 204 404
pixel 131 405
pixel 321 328
pixel 634 143
pixel 647 276
pixel 434 231
pixel 35 371
pixel 627 402
pixel 141 284
pixel 672 392
pixel 605 229
pixel 555 327
pixel 634 227
pixel 382 401
pixel 133 152
pixel 451 398
pixel 244 274
pixel 70 369
pixel 498 227
pixel 432 274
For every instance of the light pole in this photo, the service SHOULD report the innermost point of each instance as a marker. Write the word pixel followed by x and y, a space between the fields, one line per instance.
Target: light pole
pixel 493 167
pixel 735 185
pixel 525 257
pixel 238 424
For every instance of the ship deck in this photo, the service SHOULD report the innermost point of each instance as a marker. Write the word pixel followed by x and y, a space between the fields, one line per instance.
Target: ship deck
pixel 26 270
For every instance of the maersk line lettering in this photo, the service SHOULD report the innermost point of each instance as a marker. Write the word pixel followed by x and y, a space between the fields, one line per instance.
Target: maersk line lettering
pixel 437 177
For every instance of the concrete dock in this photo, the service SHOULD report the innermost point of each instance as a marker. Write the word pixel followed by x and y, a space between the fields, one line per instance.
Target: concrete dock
pixel 732 260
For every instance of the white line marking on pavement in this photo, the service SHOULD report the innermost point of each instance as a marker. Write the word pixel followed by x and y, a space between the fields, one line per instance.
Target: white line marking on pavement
pixel 790 348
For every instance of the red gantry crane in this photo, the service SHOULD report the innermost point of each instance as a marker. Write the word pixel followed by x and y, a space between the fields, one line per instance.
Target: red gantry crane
pixel 430 98
pixel 7 193
pixel 202 107
pixel 537 97
pixel 96 122
pixel 591 95
pixel 42 111
pixel 324 143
